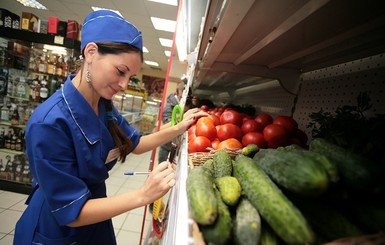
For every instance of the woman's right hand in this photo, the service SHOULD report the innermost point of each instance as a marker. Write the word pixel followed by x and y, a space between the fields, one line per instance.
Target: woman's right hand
pixel 159 182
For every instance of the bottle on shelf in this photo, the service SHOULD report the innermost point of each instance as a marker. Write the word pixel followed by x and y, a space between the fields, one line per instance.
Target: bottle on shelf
pixel 5 112
pixel 36 90
pixel 8 167
pixel 43 89
pixel 10 85
pixel 8 137
pixel 65 66
pixel 17 167
pixel 2 138
pixel 15 116
pixel 59 66
pixel 53 85
pixel 3 56
pixel 50 64
pixel 3 174
pixel 37 61
pixel 32 64
pixel 27 175
pixel 43 64
pixel 21 111
pixel 13 142
pixel 20 143
pixel 27 113
pixel 22 88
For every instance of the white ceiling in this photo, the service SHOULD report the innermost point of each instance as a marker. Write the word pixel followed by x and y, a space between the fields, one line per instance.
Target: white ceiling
pixel 137 12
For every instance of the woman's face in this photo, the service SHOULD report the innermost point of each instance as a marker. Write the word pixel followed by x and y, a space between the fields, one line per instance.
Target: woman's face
pixel 111 73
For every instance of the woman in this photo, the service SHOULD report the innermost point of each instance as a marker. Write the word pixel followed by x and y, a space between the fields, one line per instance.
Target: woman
pixel 76 136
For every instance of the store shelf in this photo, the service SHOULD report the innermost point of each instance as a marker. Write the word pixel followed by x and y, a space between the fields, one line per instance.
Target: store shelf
pixel 13 186
pixel 28 36
pixel 243 47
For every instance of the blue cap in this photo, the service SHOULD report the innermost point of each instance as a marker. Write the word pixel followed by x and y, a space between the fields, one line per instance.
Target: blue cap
pixel 107 26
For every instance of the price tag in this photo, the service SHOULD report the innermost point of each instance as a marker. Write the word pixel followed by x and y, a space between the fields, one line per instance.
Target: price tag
pixel 59 40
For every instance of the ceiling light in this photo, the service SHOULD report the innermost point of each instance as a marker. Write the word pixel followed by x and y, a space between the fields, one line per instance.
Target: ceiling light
pixel 181 38
pixel 169 2
pixel 167 53
pixel 163 24
pixel 151 103
pixel 165 42
pixel 32 3
pixel 98 8
pixel 151 63
pixel 145 50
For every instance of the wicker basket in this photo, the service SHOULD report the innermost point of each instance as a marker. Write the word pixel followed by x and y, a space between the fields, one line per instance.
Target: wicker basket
pixel 198 158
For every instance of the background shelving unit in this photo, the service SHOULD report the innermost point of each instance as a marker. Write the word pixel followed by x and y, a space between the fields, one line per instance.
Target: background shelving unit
pixel 17 47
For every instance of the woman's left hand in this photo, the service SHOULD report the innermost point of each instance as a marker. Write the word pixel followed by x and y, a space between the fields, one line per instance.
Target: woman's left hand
pixel 190 117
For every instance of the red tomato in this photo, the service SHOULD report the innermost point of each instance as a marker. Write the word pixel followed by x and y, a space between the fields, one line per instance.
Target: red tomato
pixel 204 108
pixel 247 117
pixel 221 109
pixel 206 127
pixel 215 143
pixel 230 144
pixel 287 122
pixel 199 144
pixel 191 129
pixel 229 130
pixel 295 141
pixel 215 119
pixel 250 125
pixel 218 114
pixel 275 135
pixel 231 116
pixel 264 119
pixel 205 119
pixel 301 135
pixel 254 138
pixel 191 137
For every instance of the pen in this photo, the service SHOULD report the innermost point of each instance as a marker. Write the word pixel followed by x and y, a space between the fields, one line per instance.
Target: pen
pixel 136 173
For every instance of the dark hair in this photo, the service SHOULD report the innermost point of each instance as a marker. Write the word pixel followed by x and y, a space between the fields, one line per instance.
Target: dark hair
pixel 117 48
pixel 119 136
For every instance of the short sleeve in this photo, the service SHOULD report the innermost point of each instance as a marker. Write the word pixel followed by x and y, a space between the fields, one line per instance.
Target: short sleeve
pixel 54 164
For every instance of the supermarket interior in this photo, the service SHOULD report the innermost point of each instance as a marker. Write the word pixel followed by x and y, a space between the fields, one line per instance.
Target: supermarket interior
pixel 293 93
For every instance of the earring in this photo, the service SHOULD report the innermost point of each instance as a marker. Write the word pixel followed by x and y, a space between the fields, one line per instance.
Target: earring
pixel 88 76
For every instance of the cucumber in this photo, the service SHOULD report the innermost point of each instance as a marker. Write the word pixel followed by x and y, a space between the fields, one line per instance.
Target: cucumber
pixel 273 206
pixel 209 165
pixel 222 164
pixel 268 237
pixel 220 232
pixel 356 172
pixel 295 171
pixel 201 196
pixel 247 228
pixel 329 166
pixel 250 150
pixel 369 215
pixel 229 188
pixel 326 220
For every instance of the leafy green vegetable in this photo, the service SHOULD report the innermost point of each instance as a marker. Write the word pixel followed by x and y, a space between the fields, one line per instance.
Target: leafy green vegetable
pixel 350 128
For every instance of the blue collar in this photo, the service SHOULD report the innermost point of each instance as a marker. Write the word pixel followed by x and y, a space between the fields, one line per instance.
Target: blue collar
pixel 82 113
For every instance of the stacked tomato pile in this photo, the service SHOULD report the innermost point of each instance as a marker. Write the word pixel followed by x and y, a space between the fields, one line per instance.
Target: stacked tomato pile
pixel 230 129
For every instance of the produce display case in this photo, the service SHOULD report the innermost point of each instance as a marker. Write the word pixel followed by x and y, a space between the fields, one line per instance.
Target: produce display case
pixel 287 58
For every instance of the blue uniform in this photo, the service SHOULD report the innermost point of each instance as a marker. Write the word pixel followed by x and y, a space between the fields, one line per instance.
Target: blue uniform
pixel 67 148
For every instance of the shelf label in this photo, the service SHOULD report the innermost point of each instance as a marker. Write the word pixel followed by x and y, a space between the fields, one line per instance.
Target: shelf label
pixel 59 40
